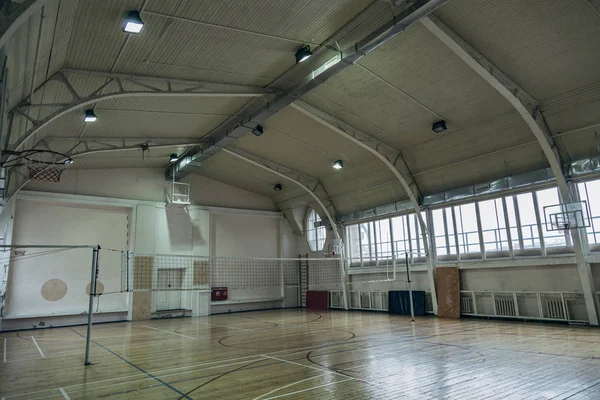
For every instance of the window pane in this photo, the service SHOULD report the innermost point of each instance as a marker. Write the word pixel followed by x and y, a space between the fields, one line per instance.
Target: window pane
pixel 315 236
pixel 529 228
pixel 549 197
pixel 353 242
pixel 440 232
pixel 364 236
pixel 512 220
pixel 450 229
pixel 590 192
pixel 400 235
pixel 493 225
pixel 468 233
pixel 382 233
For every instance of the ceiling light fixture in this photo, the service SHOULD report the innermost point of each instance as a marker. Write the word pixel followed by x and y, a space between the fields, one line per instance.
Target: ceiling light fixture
pixel 303 53
pixel 439 126
pixel 338 164
pixel 258 130
pixel 278 187
pixel 133 22
pixel 173 157
pixel 90 116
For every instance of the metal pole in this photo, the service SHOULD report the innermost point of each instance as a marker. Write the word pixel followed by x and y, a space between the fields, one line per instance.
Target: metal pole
pixel 88 337
pixel 410 296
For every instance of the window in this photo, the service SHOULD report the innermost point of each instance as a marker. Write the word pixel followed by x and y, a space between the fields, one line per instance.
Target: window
pixel 493 225
pixel 528 220
pixel 315 235
pixel 545 198
pixel 466 225
pixel 401 239
pixel 590 193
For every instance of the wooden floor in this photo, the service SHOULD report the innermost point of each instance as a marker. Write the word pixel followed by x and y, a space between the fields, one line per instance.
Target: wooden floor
pixel 305 355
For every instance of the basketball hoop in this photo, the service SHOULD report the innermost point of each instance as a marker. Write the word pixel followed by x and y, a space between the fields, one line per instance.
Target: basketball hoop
pixel 42 165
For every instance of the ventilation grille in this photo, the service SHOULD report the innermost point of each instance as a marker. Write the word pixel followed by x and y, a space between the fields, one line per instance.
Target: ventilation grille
pixel 505 307
pixel 466 305
pixel 555 309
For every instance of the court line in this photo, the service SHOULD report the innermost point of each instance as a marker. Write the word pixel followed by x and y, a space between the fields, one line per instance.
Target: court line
pixel 183 395
pixel 308 389
pixel 4 353
pixel 289 352
pixel 65 395
pixel 38 347
pixel 286 386
pixel 172 333
pixel 307 366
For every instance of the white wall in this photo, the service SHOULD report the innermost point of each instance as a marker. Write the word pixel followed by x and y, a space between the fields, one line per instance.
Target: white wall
pixel 44 223
pixel 149 184
pixel 209 192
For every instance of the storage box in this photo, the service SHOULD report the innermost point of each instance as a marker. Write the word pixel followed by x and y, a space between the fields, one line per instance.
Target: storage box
pixel 219 293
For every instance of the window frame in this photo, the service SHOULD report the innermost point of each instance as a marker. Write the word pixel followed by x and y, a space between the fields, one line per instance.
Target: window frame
pixel 313 245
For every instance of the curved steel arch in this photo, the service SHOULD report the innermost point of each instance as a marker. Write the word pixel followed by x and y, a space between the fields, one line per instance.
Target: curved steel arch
pixel 393 159
pixel 529 109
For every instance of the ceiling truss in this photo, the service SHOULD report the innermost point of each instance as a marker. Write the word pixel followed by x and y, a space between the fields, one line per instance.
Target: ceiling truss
pixel 111 86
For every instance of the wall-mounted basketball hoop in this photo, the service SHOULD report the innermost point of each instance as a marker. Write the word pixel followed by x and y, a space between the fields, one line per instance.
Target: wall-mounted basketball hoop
pixel 567 216
pixel 42 165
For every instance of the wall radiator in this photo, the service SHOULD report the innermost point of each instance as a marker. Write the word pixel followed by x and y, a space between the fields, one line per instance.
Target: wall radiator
pixel 555 309
pixel 466 305
pixel 505 307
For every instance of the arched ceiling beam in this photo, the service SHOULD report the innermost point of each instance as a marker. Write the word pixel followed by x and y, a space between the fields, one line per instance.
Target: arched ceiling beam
pixel 112 86
pixel 529 109
pixel 307 183
pixel 235 128
pixel 392 158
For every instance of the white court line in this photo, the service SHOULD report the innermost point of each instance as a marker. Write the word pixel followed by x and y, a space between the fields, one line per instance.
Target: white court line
pixel 288 352
pixel 172 333
pixel 65 395
pixel 4 352
pixel 286 386
pixel 230 327
pixel 307 366
pixel 310 388
pixel 38 347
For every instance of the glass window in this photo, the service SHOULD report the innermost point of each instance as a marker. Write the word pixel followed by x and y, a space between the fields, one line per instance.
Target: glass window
pixel 493 225
pixel 384 240
pixel 512 221
pixel 439 227
pixel 315 235
pixel 401 239
pixel 353 241
pixel 527 216
pixel 450 229
pixel 416 240
pixel 549 197
pixel 590 193
pixel 365 248
pixel 468 232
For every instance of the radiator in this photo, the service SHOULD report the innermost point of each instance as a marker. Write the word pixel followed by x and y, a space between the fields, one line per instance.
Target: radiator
pixel 555 309
pixel 505 307
pixel 466 305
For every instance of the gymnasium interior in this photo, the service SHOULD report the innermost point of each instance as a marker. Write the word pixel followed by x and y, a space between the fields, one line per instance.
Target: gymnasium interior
pixel 303 199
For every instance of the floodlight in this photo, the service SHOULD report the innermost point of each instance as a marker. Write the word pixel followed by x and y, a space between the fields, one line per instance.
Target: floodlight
pixel 439 126
pixel 90 116
pixel 303 54
pixel 133 22
pixel 338 164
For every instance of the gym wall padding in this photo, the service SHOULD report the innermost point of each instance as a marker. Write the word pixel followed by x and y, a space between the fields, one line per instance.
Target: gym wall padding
pixel 399 302
pixel 317 300
pixel 448 292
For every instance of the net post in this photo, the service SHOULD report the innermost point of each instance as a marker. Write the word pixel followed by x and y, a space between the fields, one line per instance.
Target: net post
pixel 88 337
pixel 410 296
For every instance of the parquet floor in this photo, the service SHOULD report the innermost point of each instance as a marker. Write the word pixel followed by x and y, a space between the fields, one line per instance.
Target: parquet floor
pixel 296 354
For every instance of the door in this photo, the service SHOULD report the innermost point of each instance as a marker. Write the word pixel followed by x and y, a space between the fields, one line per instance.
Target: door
pixel 169 286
